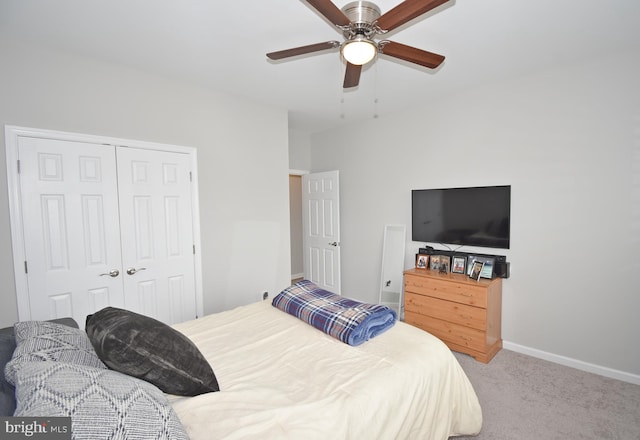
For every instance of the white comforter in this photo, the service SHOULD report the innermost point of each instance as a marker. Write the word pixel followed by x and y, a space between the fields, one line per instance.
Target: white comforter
pixel 280 378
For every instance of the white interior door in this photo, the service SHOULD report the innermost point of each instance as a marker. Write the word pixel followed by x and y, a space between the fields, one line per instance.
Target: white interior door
pixel 321 229
pixel 157 233
pixel 100 225
pixel 71 227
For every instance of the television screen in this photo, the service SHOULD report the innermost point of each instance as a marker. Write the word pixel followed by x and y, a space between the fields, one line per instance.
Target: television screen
pixel 478 216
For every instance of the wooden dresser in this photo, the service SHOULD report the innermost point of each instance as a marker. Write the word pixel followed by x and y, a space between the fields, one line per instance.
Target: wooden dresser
pixel 466 314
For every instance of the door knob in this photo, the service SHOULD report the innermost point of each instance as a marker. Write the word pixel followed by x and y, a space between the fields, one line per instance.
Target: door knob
pixel 133 270
pixel 114 273
pixel 335 243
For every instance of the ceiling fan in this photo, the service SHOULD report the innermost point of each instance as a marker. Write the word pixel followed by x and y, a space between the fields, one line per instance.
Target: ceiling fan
pixel 360 22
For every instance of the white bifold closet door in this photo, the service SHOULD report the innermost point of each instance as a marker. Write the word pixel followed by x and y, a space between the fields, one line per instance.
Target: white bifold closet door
pixel 106 226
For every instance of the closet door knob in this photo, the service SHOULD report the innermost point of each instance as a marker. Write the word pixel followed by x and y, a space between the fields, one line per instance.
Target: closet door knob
pixel 133 270
pixel 114 273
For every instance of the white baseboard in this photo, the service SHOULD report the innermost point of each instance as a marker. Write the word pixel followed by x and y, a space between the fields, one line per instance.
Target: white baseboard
pixel 574 363
pixel 295 276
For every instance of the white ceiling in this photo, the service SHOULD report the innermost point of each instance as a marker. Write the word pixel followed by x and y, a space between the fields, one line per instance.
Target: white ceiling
pixel 222 45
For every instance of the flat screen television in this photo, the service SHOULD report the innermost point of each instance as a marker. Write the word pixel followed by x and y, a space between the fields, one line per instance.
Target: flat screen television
pixel 477 216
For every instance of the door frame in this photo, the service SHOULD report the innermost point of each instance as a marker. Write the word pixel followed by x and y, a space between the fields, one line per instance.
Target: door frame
pixel 13 133
pixel 297 173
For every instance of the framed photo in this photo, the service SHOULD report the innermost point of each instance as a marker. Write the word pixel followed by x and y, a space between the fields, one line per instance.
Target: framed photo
pixel 434 262
pixel 445 263
pixel 476 269
pixel 487 269
pixel 472 258
pixel 459 264
pixel 422 261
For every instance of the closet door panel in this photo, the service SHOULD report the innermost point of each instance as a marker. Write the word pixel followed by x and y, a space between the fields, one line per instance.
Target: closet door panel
pixel 71 227
pixel 157 233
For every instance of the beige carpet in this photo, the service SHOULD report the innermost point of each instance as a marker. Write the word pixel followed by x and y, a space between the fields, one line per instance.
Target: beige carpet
pixel 524 398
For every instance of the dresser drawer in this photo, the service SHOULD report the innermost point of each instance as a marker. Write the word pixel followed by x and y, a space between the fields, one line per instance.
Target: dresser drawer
pixel 457 313
pixel 464 293
pixel 448 331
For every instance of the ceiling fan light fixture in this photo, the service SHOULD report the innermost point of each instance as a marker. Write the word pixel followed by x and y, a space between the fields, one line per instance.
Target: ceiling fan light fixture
pixel 359 51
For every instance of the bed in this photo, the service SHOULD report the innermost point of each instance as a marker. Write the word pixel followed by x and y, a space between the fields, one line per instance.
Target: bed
pixel 278 378
pixel 282 378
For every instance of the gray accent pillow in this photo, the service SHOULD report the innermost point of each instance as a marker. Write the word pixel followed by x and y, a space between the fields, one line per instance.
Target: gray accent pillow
pixel 7 391
pixel 102 404
pixel 148 349
pixel 49 341
pixel 7 347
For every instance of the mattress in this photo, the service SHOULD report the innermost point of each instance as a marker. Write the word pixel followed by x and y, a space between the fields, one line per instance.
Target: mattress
pixel 282 378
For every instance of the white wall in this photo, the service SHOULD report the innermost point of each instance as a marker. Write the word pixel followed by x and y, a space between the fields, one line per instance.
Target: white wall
pixel 299 162
pixel 568 141
pixel 299 150
pixel 243 173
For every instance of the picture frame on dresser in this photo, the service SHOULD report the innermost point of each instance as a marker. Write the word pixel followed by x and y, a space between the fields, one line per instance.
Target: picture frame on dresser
pixel 476 270
pixel 458 264
pixel 445 263
pixel 470 260
pixel 487 269
pixel 434 262
pixel 482 259
pixel 422 261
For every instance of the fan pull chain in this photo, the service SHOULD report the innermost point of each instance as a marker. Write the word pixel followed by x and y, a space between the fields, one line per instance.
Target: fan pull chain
pixel 340 74
pixel 375 91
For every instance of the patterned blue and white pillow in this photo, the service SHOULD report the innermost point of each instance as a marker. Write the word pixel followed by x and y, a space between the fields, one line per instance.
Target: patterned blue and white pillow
pixel 49 341
pixel 102 404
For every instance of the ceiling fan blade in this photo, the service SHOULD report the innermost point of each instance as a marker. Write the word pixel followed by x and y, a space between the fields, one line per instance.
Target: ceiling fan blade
pixel 330 11
pixel 411 54
pixel 352 76
pixel 406 11
pixel 303 50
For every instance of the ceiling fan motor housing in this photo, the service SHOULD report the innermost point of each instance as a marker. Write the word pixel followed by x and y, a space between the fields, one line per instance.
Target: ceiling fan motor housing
pixel 362 15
